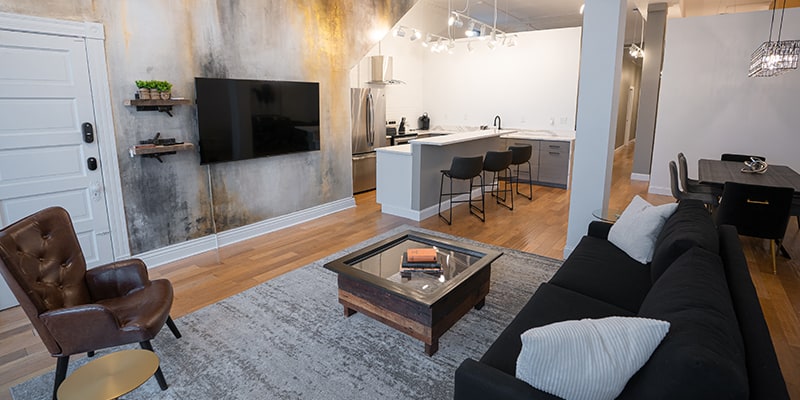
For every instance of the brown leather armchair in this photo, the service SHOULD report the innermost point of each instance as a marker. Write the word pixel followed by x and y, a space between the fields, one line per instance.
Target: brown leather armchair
pixel 73 309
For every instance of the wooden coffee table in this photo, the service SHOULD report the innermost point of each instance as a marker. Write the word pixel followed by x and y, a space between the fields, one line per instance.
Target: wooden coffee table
pixel 422 306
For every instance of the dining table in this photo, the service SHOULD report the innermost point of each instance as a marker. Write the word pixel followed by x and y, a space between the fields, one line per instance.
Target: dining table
pixel 717 172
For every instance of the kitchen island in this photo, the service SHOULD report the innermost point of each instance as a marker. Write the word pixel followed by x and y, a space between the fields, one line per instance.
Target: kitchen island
pixel 409 175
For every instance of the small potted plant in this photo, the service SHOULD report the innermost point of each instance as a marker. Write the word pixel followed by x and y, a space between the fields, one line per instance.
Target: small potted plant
pixel 153 86
pixel 164 89
pixel 144 90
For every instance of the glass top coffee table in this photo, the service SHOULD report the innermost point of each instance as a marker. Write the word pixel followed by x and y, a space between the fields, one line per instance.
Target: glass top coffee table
pixel 420 304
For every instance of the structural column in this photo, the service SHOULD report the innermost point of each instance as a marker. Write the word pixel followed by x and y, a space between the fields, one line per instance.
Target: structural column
pixel 598 104
pixel 648 96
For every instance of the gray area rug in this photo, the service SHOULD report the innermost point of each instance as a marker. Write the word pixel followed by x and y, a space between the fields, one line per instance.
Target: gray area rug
pixel 288 339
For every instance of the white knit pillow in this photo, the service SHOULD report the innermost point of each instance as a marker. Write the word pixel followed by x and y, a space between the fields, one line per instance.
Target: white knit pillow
pixel 637 229
pixel 588 359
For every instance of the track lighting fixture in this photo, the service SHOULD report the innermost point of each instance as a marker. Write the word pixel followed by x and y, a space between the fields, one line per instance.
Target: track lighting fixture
pixel 415 34
pixel 400 32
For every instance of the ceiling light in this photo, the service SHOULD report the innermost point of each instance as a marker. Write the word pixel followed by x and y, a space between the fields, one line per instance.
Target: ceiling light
pixel 483 32
pixel 469 46
pixel 415 35
pixel 400 32
pixel 470 31
pixel 451 20
pixel 427 40
pixel 774 58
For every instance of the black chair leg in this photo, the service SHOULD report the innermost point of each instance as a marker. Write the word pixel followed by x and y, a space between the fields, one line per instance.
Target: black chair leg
pixel 529 196
pixel 162 383
pixel 173 328
pixel 61 373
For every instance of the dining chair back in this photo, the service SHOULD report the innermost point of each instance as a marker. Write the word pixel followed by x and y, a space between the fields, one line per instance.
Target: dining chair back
pixel 709 199
pixel 756 211
pixel 693 185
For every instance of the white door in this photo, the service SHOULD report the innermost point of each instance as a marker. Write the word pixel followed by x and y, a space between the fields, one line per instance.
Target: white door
pixel 45 99
pixel 629 114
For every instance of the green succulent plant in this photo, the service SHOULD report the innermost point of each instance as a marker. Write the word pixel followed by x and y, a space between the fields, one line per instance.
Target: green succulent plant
pixel 163 86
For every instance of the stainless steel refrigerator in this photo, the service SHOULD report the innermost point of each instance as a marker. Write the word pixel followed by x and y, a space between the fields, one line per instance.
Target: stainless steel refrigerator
pixel 368 119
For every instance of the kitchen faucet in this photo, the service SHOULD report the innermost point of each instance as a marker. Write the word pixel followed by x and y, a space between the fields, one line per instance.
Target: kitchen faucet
pixel 496 121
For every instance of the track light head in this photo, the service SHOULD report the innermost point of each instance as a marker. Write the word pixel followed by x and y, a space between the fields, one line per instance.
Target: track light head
pixel 400 32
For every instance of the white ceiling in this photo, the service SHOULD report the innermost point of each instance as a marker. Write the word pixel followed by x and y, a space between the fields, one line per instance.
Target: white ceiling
pixel 528 15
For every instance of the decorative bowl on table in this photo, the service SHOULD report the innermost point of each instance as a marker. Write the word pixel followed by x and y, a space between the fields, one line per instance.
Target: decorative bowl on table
pixel 755 166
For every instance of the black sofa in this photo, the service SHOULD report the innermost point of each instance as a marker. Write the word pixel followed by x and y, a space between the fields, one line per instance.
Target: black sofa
pixel 718 345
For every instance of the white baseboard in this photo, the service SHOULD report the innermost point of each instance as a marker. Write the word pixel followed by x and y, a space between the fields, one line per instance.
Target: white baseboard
pixel 175 252
pixel 660 190
pixel 419 215
pixel 640 177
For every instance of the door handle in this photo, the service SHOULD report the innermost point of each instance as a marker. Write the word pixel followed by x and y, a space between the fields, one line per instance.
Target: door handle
pixel 370 116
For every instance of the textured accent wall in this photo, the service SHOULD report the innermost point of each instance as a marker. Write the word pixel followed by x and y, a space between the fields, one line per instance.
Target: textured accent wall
pixel 177 40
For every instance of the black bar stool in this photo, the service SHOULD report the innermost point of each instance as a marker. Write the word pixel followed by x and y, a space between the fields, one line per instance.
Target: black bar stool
pixel 498 163
pixel 463 168
pixel 522 155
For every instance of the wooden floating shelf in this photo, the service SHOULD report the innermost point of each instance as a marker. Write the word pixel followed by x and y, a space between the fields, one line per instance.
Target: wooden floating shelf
pixel 145 150
pixel 157 103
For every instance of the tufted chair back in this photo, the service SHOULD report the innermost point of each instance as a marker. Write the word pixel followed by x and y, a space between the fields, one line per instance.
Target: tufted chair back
pixel 42 261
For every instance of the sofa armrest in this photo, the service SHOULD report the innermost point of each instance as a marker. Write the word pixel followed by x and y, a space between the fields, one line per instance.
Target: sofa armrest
pixel 599 229
pixel 479 381
pixel 116 279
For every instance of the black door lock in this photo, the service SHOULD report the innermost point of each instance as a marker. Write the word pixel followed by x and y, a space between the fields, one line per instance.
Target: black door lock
pixel 88 132
pixel 91 162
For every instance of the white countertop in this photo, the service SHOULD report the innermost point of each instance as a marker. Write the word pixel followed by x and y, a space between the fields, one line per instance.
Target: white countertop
pixel 554 135
pixel 399 149
pixel 461 137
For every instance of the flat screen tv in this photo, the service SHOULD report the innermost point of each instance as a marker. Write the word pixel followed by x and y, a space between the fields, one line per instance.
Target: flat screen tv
pixel 241 119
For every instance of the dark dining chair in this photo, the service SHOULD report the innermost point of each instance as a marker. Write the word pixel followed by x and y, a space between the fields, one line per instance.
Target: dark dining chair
pixel 739 157
pixel 756 211
pixel 75 310
pixel 463 168
pixel 499 164
pixel 522 155
pixel 693 185
pixel 709 199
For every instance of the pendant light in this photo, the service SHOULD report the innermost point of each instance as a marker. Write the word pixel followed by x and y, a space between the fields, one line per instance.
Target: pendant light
pixel 774 58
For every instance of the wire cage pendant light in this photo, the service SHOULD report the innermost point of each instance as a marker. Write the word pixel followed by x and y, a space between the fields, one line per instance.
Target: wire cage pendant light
pixel 773 58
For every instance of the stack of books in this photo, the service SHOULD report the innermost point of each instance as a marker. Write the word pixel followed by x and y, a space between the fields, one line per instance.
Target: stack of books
pixel 420 260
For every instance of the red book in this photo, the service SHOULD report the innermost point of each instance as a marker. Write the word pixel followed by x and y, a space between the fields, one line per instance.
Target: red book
pixel 421 255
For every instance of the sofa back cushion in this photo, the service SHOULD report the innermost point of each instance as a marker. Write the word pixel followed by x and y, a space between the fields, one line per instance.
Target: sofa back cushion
pixel 702 356
pixel 689 226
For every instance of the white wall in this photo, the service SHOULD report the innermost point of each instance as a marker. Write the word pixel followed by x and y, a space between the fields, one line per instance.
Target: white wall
pixel 528 85
pixel 708 105
pixel 531 85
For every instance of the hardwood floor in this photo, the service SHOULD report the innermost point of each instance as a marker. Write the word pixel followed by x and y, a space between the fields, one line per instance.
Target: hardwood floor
pixel 537 226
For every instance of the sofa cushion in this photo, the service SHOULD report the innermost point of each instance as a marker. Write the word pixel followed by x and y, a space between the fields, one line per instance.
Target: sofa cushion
pixel 599 269
pixel 702 356
pixel 589 359
pixel 549 304
pixel 636 230
pixel 691 225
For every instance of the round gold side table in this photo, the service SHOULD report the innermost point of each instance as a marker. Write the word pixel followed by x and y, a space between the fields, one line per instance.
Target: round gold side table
pixel 110 376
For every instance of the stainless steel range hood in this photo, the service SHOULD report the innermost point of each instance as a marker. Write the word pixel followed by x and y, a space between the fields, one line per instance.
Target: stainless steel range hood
pixel 382 73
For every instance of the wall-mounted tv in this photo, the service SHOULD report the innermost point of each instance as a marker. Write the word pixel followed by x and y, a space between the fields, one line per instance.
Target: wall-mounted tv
pixel 241 119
